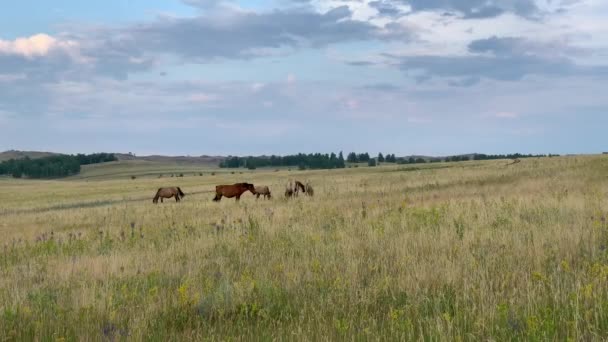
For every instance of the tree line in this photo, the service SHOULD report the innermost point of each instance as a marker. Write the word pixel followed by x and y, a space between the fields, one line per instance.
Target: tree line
pixel 511 156
pixel 53 166
pixel 333 161
pixel 300 160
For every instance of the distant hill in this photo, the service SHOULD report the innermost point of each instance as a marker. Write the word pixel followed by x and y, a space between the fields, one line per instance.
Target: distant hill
pixel 12 154
pixel 206 160
pixel 214 160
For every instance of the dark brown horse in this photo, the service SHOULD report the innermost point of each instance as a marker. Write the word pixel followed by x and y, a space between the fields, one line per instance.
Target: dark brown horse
pixel 262 190
pixel 168 193
pixel 234 190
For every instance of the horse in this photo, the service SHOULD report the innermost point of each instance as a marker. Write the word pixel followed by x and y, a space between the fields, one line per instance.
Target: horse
pixel 294 188
pixel 515 161
pixel 168 193
pixel 262 190
pixel 299 187
pixel 234 190
pixel 309 190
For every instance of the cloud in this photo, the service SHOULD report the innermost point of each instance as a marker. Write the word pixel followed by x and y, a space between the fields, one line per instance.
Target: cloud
pixel 387 9
pixel 511 46
pixel 468 9
pixel 504 59
pixel 34 46
pixel 383 87
pixel 44 58
pixel 224 33
pixel 241 35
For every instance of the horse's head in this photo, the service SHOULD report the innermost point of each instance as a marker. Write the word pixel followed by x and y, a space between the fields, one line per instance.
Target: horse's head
pixel 249 187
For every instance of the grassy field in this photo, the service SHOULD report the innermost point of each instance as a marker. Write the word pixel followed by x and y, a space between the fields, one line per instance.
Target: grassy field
pixel 458 251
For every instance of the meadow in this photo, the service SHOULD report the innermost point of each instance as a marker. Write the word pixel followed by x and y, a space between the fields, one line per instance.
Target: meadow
pixel 449 251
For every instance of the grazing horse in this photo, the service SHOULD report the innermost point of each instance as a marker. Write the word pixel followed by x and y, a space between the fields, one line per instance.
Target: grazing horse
pixel 293 189
pixel 168 193
pixel 262 190
pixel 234 190
pixel 309 190
pixel 515 161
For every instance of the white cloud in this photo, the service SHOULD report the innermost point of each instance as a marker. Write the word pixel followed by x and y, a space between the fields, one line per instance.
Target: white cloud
pixel 38 45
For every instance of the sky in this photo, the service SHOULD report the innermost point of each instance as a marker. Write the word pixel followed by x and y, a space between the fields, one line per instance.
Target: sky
pixel 253 77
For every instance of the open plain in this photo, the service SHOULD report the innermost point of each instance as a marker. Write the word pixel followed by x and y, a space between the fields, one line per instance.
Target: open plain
pixel 446 251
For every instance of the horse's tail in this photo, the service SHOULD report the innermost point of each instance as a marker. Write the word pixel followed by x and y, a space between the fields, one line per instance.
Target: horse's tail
pixel 181 194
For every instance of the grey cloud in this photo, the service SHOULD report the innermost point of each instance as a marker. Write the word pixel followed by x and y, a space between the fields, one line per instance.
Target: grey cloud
pixel 501 46
pixel 240 34
pixel 383 87
pixel 386 9
pixel 360 63
pixel 48 67
pixel 202 3
pixel 469 9
pixel 508 68
pixel 505 59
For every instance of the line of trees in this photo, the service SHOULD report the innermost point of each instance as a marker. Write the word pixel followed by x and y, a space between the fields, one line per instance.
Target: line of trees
pixel 95 158
pixel 364 158
pixel 301 160
pixel 510 156
pixel 412 160
pixel 53 166
pixel 333 161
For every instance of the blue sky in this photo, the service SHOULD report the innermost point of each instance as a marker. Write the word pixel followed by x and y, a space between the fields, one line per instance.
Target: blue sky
pixel 275 77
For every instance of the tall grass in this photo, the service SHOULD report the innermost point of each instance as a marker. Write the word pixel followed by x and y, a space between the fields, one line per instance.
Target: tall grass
pixel 465 251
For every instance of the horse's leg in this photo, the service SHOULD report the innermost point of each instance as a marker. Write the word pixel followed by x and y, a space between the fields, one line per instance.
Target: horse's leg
pixel 238 198
pixel 176 198
pixel 161 200
pixel 257 196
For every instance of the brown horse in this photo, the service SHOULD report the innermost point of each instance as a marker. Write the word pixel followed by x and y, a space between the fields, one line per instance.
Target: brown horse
pixel 234 190
pixel 262 190
pixel 168 193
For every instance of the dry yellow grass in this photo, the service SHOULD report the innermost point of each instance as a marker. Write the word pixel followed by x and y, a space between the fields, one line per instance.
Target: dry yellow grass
pixel 460 251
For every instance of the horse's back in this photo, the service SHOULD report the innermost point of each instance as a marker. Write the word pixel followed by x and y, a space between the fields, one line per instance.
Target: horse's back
pixel 262 189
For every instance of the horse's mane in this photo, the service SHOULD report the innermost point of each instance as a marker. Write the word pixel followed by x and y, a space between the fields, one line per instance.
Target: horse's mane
pixel 301 186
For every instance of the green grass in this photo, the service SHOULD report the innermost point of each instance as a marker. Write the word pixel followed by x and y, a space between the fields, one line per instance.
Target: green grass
pixel 455 251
